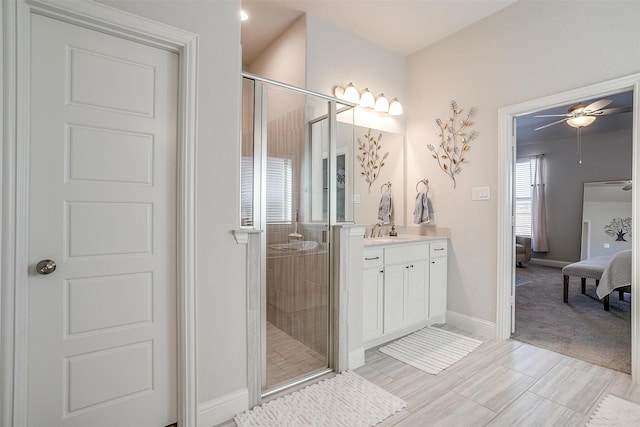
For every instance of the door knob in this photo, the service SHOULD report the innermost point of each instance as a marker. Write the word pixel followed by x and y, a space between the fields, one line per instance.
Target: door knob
pixel 46 266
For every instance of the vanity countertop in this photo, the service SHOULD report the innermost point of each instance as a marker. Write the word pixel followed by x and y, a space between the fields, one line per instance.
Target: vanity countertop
pixel 401 238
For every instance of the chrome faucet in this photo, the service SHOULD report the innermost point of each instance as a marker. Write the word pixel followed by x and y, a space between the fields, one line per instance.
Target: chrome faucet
pixel 373 229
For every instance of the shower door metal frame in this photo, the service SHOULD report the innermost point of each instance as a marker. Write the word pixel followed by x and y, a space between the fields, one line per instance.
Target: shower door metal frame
pixel 256 334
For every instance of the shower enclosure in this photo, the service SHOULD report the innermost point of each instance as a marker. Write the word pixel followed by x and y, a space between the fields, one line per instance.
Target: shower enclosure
pixel 296 181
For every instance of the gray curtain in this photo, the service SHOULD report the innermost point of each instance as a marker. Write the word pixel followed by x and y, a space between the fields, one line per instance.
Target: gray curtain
pixel 539 238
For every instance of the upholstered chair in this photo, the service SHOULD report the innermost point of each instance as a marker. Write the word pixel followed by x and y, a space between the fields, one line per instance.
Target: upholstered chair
pixel 523 249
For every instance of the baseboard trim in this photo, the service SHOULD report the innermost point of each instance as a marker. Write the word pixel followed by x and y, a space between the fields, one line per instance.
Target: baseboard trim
pixel 471 324
pixel 356 358
pixel 222 409
pixel 549 262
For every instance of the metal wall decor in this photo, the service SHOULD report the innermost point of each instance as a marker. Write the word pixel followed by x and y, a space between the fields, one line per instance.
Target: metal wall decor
pixel 455 136
pixel 370 160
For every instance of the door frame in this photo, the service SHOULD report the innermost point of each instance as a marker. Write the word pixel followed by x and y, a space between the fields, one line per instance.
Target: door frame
pixel 15 44
pixel 506 234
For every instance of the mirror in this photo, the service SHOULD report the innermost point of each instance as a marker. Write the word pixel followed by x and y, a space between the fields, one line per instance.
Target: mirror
pixel 319 167
pixel 606 218
pixel 367 197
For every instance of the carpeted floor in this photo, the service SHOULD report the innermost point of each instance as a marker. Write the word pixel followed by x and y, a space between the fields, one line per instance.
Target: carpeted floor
pixel 581 328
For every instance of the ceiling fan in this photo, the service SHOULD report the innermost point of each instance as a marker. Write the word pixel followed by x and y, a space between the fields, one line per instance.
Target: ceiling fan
pixel 582 114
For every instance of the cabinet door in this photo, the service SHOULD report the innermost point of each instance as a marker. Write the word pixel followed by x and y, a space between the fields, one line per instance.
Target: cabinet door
pixel 372 288
pixel 437 286
pixel 417 291
pixel 394 297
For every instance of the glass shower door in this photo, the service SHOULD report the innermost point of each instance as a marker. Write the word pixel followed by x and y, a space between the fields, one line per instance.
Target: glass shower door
pixel 297 247
pixel 296 183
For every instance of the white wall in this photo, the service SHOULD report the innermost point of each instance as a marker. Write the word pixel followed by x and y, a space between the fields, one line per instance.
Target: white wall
pixel 284 59
pixel 528 50
pixel 220 262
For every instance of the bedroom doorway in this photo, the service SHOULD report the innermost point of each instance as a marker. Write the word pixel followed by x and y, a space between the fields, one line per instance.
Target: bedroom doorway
pixel 507 158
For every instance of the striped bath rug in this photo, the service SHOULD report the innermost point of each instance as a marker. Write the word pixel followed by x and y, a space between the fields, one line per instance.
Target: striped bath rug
pixel 346 400
pixel 615 412
pixel 431 349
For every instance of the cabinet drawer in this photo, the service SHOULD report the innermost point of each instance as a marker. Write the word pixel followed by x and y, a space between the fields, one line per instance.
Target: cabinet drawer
pixel 373 257
pixel 404 253
pixel 438 249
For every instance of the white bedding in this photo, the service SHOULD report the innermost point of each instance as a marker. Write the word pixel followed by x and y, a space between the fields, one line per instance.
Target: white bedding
pixel 616 275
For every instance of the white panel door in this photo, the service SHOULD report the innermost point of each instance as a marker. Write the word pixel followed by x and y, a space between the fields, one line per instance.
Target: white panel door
pixel 102 185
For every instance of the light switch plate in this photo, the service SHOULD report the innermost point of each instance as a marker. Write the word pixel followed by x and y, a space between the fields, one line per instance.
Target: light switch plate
pixel 481 193
pixel 356 198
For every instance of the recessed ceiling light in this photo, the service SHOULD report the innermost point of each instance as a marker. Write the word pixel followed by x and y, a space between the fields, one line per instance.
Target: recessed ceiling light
pixel 243 15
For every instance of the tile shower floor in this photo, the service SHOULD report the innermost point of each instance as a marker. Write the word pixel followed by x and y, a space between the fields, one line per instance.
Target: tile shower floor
pixel 288 358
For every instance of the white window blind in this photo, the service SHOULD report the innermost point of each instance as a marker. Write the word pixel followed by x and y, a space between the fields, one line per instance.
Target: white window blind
pixel 246 191
pixel 279 189
pixel 524 180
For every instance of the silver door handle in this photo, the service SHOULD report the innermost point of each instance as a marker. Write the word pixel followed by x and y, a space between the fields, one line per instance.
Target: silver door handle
pixel 46 266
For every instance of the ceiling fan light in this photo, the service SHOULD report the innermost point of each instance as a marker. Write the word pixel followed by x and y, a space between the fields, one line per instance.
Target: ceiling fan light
pixel 580 121
pixel 367 99
pixel 351 94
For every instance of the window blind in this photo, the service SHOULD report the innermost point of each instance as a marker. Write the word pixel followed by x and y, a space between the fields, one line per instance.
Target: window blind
pixel 279 189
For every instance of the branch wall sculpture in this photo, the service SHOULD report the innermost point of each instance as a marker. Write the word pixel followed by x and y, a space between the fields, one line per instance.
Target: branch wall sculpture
pixel 454 141
pixel 370 160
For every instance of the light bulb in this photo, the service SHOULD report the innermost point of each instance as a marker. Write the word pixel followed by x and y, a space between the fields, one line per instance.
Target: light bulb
pixel 351 94
pixel 395 108
pixel 580 121
pixel 243 15
pixel 339 92
pixel 367 99
pixel 382 104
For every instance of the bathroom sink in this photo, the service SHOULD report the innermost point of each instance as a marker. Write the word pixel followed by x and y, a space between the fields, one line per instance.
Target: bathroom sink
pixel 389 239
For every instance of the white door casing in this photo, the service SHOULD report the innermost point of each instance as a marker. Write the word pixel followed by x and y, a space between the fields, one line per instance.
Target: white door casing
pixel 506 249
pixel 16 17
pixel 102 186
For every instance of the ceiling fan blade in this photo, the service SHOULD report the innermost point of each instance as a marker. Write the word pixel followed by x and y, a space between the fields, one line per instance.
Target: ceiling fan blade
pixel 616 110
pixel 551 124
pixel 554 115
pixel 598 105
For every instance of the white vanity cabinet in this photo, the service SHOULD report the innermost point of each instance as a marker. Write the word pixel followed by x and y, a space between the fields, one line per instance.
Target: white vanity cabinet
pixel 404 288
pixel 437 278
pixel 372 294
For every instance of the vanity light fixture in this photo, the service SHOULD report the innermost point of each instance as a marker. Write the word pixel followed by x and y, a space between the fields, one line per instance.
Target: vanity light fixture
pixel 351 94
pixel 366 99
pixel 382 103
pixel 395 108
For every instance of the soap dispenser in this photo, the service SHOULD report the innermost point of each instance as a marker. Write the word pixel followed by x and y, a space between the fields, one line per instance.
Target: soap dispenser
pixel 393 232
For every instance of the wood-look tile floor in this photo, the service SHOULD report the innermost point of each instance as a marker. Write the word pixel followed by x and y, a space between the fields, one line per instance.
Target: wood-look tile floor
pixel 501 383
pixel 288 358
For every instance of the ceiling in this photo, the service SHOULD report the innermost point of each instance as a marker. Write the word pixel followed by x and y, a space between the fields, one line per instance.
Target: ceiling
pixel 401 26
pixel 404 27
pixel 525 125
